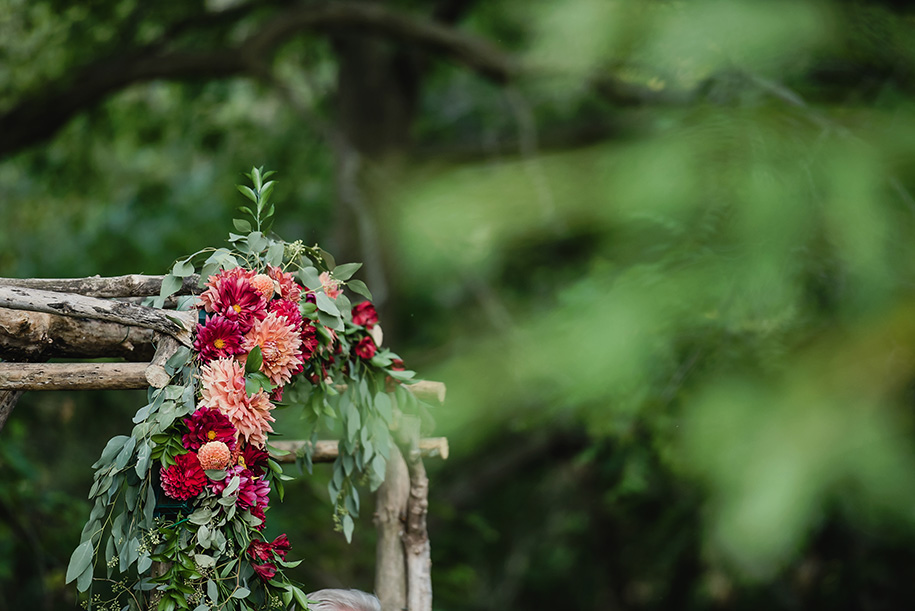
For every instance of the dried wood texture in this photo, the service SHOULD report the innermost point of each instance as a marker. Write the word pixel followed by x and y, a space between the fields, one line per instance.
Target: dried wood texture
pixel 326 451
pixel 417 548
pixel 133 285
pixel 390 514
pixel 427 390
pixel 33 336
pixel 8 399
pixel 72 376
pixel 156 375
pixel 80 306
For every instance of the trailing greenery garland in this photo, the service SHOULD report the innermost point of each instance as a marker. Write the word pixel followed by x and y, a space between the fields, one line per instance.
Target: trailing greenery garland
pixel 188 487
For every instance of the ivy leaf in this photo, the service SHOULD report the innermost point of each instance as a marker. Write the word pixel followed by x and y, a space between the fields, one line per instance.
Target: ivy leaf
pixel 255 360
pixel 79 560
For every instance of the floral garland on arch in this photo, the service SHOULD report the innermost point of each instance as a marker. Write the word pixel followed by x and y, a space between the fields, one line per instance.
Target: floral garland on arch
pixel 180 504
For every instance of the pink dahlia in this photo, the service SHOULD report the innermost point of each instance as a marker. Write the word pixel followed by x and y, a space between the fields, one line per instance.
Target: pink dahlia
pixel 218 337
pixel 214 455
pixel 364 315
pixel 253 492
pixel 223 388
pixel 208 424
pixel 331 287
pixel 185 479
pixel 280 346
pixel 365 349
pixel 289 288
pixel 264 285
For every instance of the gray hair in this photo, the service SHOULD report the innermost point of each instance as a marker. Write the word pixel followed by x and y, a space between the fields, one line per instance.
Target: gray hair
pixel 343 600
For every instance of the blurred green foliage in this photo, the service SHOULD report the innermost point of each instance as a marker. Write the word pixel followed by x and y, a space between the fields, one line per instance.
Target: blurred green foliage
pixel 667 276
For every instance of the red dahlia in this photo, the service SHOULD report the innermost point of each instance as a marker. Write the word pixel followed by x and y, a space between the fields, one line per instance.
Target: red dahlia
pixel 253 459
pixel 218 338
pixel 288 310
pixel 239 301
pixel 208 424
pixel 185 479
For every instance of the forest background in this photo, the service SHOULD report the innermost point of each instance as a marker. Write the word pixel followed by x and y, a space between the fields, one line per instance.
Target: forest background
pixel 660 252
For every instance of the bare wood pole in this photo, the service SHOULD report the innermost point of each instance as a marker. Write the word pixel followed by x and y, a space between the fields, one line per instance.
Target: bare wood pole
pixel 132 285
pixel 73 376
pixel 327 450
pixel 390 515
pixel 416 543
pixel 177 324
pixel 30 336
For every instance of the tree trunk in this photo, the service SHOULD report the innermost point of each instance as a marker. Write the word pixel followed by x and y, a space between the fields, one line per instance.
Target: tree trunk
pixel 390 515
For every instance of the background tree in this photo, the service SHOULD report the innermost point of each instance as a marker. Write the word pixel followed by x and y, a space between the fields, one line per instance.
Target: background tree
pixel 659 252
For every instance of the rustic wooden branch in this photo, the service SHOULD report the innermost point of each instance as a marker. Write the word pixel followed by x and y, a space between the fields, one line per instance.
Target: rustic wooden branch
pixel 390 514
pixel 177 324
pixel 132 285
pixel 72 376
pixel 416 543
pixel 8 399
pixel 34 336
pixel 326 450
pixel 156 375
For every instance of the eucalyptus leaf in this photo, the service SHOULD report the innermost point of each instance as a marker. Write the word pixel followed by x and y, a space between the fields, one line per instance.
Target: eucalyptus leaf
pixel 346 271
pixel 80 560
pixel 183 269
pixel 348 526
pixel 242 225
pixel 326 304
pixel 359 287
pixel 241 592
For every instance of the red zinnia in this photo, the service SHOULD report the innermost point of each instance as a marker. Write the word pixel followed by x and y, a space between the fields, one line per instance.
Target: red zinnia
pixel 185 479
pixel 208 424
pixel 218 338
pixel 365 349
pixel 364 315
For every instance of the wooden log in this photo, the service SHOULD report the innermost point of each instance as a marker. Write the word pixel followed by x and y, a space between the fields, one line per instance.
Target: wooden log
pixel 156 375
pixel 390 514
pixel 133 285
pixel 417 547
pixel 35 336
pixel 177 324
pixel 326 450
pixel 72 376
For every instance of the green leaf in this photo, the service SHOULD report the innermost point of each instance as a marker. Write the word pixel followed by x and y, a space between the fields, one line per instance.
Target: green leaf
pixel 326 304
pixel 300 597
pixel 255 360
pixel 275 254
pixel 241 592
pixel 182 269
pixel 170 285
pixel 80 560
pixel 358 286
pixel 256 241
pixel 247 192
pixel 310 278
pixel 241 225
pixel 212 590
pixel 348 526
pixel 346 271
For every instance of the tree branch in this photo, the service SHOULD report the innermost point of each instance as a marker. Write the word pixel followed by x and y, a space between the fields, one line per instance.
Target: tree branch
pixel 132 285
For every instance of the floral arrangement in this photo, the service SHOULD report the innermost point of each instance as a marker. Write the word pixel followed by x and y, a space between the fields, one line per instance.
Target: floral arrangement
pixel 183 499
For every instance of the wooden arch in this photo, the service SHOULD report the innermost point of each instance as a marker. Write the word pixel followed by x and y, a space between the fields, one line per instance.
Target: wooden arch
pixel 96 317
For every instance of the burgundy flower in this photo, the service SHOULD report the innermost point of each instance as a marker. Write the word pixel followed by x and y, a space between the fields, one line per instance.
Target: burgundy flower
pixel 266 571
pixel 253 492
pixel 364 315
pixel 309 340
pixel 261 550
pixel 238 300
pixel 218 338
pixel 253 459
pixel 365 349
pixel 208 424
pixel 288 310
pixel 281 545
pixel 185 479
